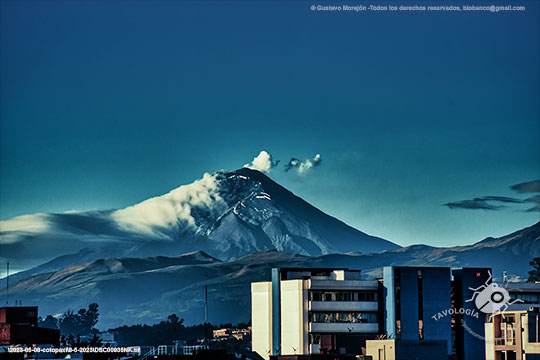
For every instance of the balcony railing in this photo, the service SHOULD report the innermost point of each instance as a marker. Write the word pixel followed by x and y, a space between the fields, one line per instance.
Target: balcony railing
pixel 343 327
pixel 503 341
pixel 343 305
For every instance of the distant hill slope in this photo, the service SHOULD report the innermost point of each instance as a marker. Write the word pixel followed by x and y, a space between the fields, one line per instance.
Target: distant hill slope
pixel 132 290
pixel 227 215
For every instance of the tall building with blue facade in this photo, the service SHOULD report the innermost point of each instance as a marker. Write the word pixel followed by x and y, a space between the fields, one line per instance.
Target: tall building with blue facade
pixel 413 298
pixel 423 303
pixel 469 330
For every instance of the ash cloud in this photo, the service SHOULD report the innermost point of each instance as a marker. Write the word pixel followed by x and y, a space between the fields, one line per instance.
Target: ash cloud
pixel 262 162
pixel 302 166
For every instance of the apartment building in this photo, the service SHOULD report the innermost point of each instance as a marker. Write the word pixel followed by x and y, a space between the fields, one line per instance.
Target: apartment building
pixel 411 311
pixel 513 335
pixel 314 311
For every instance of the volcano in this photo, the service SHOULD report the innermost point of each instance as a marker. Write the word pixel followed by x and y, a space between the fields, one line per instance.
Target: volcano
pixel 226 214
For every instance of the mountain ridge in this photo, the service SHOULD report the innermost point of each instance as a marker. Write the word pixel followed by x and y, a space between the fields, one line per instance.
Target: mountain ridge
pixel 159 286
pixel 226 214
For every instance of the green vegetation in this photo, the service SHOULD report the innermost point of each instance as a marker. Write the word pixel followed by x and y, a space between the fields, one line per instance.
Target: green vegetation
pixel 534 275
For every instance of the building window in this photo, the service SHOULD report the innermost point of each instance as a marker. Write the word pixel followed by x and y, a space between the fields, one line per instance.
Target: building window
pixel 527 298
pixel 314 338
pixel 327 295
pixel 342 317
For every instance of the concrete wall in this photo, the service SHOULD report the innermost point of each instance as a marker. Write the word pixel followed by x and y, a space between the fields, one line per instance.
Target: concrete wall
pixel 406 349
pixel 261 318
pixel 381 349
pixel 490 341
pixel 528 331
pixel 294 318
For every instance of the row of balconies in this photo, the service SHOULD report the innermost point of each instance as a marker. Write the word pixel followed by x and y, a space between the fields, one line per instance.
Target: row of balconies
pixel 343 327
pixel 343 306
pixel 354 285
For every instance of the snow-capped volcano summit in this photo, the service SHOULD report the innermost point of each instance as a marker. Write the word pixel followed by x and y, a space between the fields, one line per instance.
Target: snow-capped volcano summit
pixel 226 214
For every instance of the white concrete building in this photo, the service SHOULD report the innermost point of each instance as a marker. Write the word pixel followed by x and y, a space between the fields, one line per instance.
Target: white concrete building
pixel 514 336
pixel 312 311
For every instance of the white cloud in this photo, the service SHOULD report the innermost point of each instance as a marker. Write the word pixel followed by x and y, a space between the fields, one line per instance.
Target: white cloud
pixel 28 223
pixel 303 166
pixel 262 162
pixel 160 215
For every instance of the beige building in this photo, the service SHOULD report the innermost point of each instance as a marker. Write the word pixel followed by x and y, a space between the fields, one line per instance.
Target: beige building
pixel 313 311
pixel 514 336
pixel 392 349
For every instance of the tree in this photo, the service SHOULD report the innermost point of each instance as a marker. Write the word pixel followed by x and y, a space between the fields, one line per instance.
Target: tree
pixel 63 341
pixel 534 275
pixel 69 323
pixel 70 340
pixel 173 319
pixel 88 318
pixel 96 341
pixel 81 323
pixel 50 322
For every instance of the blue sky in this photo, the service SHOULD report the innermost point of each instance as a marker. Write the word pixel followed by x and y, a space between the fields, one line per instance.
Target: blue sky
pixel 104 104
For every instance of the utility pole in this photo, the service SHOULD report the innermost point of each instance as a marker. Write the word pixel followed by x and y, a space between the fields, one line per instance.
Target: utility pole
pixel 206 309
pixel 7 284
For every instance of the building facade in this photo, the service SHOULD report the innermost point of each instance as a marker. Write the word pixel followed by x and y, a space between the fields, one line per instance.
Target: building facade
pixel 469 330
pixel 525 293
pixel 413 295
pixel 334 311
pixel 513 335
pixel 19 326
pixel 434 303
pixel 395 349
pixel 314 311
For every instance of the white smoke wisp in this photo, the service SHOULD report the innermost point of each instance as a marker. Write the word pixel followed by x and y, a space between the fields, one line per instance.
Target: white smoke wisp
pixel 262 162
pixel 159 215
pixel 303 166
